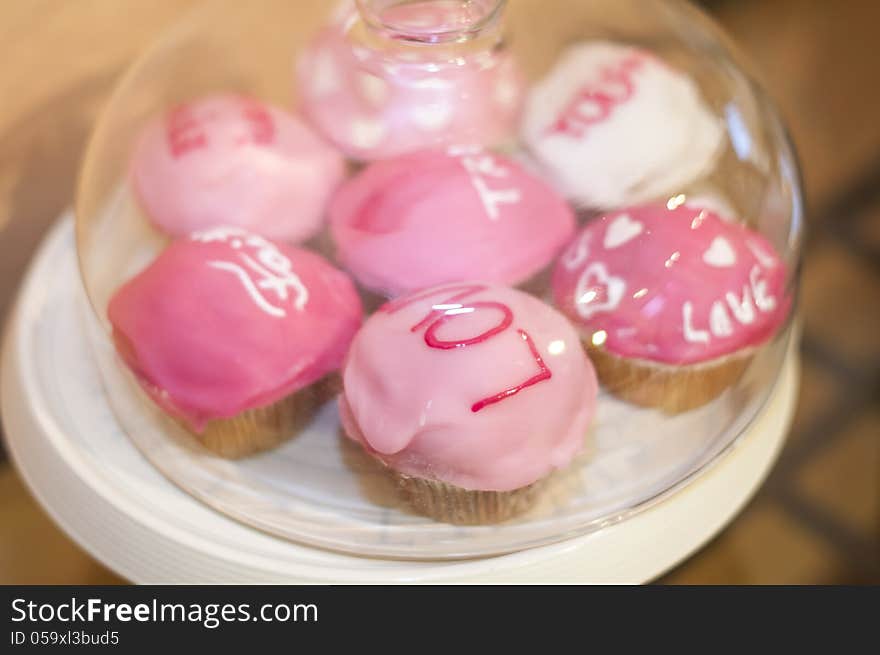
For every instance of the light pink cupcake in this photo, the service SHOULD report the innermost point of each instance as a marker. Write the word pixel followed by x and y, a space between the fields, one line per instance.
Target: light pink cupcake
pixel 672 304
pixel 231 160
pixel 471 395
pixel 434 217
pixel 376 101
pixel 228 333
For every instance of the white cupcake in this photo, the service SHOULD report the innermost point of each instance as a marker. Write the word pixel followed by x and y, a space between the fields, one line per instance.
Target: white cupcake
pixel 614 125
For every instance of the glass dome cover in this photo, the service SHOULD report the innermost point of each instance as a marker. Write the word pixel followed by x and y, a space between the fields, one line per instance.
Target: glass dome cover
pixel 544 176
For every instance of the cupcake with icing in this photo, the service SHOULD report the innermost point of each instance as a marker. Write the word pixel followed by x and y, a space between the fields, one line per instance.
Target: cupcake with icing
pixel 471 395
pixel 434 217
pixel 376 97
pixel 671 303
pixel 232 160
pixel 613 125
pixel 228 333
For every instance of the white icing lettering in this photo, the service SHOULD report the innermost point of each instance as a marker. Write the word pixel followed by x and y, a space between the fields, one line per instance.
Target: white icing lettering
pixel 765 302
pixel 478 169
pixel 268 276
pixel 691 334
pixel 743 309
pixel 719 320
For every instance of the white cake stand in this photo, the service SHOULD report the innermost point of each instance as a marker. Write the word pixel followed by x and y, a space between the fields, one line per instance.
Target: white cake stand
pixel 106 496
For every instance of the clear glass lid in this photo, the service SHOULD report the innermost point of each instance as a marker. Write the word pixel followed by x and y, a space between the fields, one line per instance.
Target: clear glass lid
pixel 438 278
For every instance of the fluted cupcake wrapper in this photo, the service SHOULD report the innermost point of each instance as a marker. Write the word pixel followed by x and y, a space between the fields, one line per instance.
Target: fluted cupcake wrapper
pixel 450 504
pixel 673 389
pixel 256 430
pixel 264 428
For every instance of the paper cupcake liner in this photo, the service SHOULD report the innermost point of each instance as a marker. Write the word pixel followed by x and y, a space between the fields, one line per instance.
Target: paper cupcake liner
pixel 450 504
pixel 264 428
pixel 673 389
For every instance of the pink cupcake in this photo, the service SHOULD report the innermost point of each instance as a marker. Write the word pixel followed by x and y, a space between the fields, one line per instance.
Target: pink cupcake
pixel 672 304
pixel 231 160
pixel 471 395
pixel 375 103
pixel 227 332
pixel 432 217
pixel 614 125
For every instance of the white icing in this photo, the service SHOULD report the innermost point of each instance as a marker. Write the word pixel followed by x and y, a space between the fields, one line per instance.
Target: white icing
pixel 691 334
pixel 719 320
pixel 269 275
pixel 622 229
pixel 249 286
pixel 743 309
pixel 765 302
pixel 720 254
pixel 585 292
pixel 613 132
pixel 480 167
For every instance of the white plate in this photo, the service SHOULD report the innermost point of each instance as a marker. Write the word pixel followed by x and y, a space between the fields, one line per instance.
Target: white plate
pixel 78 461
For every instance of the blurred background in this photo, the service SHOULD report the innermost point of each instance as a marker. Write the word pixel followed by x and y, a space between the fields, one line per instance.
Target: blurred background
pixel 816 520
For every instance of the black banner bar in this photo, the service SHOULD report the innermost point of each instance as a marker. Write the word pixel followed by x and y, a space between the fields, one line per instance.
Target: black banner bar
pixel 177 617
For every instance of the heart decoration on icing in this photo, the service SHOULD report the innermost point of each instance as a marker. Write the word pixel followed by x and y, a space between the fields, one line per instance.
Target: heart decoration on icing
pixel 720 254
pixel 622 230
pixel 588 301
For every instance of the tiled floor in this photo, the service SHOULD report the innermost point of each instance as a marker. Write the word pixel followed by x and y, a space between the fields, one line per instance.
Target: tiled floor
pixel 817 520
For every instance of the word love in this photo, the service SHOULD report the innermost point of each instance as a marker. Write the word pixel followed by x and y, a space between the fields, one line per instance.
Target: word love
pixel 595 103
pixel 744 308
pixel 189 129
pixel 483 166
pixel 453 307
pixel 263 271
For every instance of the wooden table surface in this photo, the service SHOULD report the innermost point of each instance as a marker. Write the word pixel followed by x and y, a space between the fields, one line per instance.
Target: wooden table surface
pixel 817 518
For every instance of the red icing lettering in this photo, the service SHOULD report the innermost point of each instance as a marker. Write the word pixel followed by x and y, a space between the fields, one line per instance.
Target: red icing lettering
pixel 185 133
pixel 262 125
pixel 437 310
pixel 451 307
pixel 188 132
pixel 594 104
pixel 544 373
pixel 431 333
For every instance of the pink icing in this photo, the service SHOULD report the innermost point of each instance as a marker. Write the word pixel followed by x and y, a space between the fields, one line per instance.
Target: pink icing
pixel 481 386
pixel 375 103
pixel 431 217
pixel 677 286
pixel 230 160
pixel 227 321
